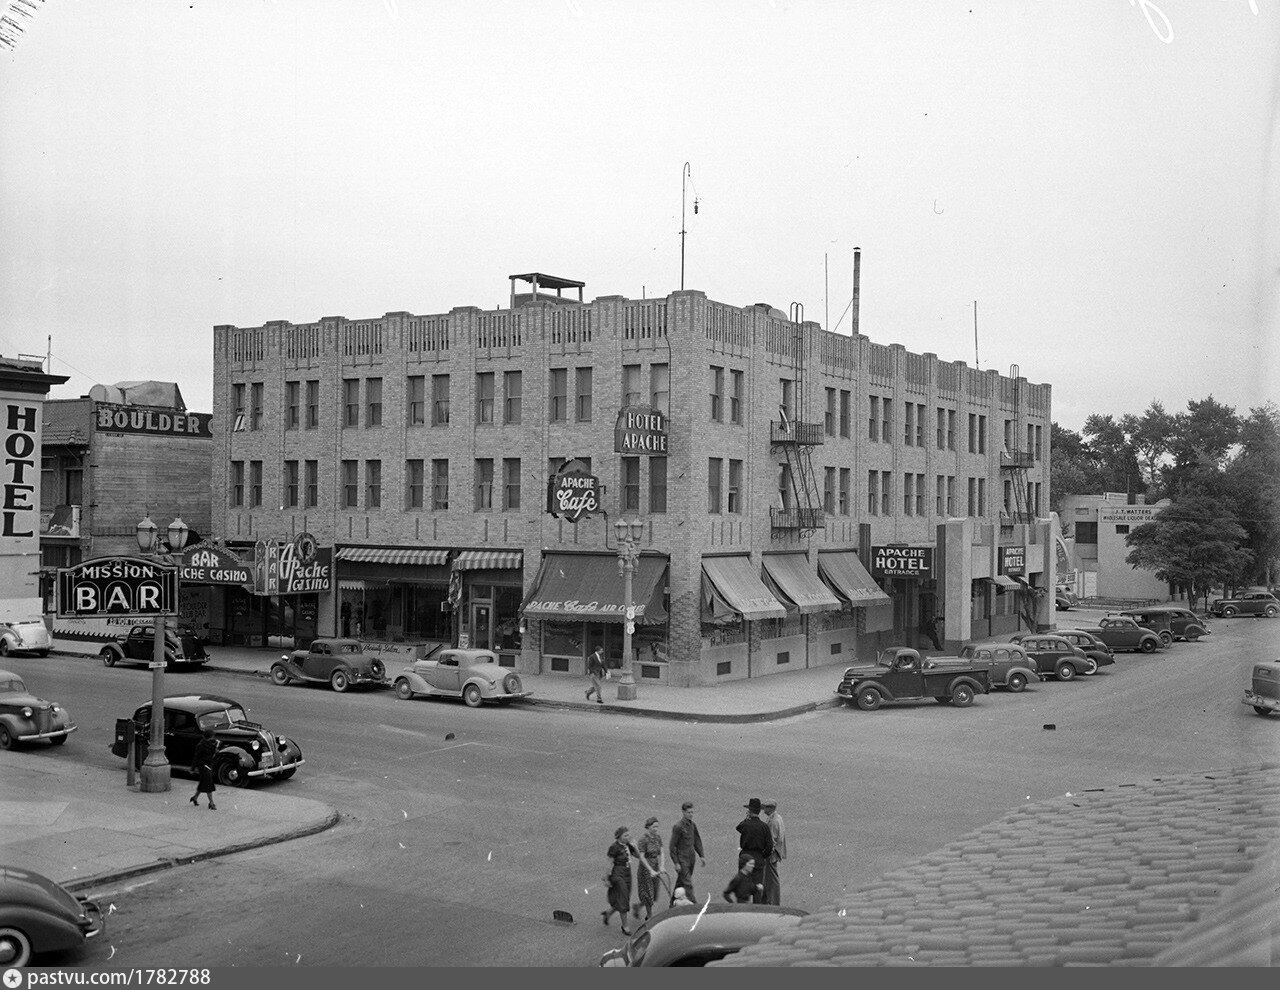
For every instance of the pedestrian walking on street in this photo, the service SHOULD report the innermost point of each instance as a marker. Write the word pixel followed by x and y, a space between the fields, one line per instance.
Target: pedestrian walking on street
pixel 652 867
pixel 686 842
pixel 756 839
pixel 742 887
pixel 596 671
pixel 619 878
pixel 778 830
pixel 202 760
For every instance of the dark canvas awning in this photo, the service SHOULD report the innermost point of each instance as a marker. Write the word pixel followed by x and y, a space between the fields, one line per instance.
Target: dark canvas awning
pixel 391 555
pixel 793 581
pixel 844 573
pixel 588 587
pixel 734 583
pixel 482 560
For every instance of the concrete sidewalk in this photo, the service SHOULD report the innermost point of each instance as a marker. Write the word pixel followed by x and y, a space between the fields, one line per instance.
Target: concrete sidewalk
pixel 753 700
pixel 84 828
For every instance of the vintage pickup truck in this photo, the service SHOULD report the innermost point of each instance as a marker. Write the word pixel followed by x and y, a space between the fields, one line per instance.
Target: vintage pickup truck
pixel 900 674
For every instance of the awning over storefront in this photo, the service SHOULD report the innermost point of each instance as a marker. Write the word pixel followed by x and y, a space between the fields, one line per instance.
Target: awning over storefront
pixel 483 560
pixel 732 583
pixel 794 582
pixel 844 573
pixel 387 555
pixel 589 588
pixel 1002 581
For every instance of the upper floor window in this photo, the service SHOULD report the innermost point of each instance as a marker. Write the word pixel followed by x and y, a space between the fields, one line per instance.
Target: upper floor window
pixel 237 484
pixel 484 397
pixel 291 484
pixel 873 418
pixel 373 402
pixel 909 423
pixel 350 484
pixel 735 487
pixel 313 404
pixel 657 484
pixel 829 491
pixel 373 484
pixel 510 483
pixel 717 394
pixel 440 400
pixel 255 483
pixel 583 392
pixel 715 467
pixel 439 484
pixel 845 478
pixel 237 407
pixel 484 483
pixel 846 398
pixel 351 402
pixel 311 481
pixel 292 405
pixel 414 484
pixel 829 418
pixel 631 385
pixel 416 400
pixel 660 388
pixel 737 388
pixel 631 484
pixel 513 396
pixel 787 397
pixel 559 395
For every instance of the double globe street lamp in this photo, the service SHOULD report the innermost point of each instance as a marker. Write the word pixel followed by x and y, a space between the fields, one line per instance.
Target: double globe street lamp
pixel 155 768
pixel 629 533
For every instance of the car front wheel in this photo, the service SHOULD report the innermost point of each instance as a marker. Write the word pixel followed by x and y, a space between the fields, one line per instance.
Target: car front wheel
pixel 1016 682
pixel 1271 611
pixel 109 659
pixel 1261 710
pixel 962 696
pixel 1229 611
pixel 1091 667
pixel 231 774
pixel 403 690
pixel 6 738
pixel 868 699
pixel 279 675
pixel 1166 638
pixel 4 647
pixel 1065 672
pixel 472 696
pixel 339 681
pixel 15 948
pixel 1149 645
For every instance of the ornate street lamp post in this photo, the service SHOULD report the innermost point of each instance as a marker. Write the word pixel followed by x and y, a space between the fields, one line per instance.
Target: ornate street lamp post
pixel 155 768
pixel 628 532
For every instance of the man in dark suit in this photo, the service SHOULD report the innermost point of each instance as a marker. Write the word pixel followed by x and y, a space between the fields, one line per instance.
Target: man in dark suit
pixel 755 838
pixel 685 844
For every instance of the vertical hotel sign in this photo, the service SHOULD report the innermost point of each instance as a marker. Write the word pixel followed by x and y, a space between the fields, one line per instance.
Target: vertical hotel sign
pixel 19 497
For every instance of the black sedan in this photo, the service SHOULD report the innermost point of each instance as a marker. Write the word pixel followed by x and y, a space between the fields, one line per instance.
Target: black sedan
pixel 38 915
pixel 674 939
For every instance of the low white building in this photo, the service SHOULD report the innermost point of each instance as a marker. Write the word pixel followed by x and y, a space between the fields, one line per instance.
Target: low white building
pixel 1094 528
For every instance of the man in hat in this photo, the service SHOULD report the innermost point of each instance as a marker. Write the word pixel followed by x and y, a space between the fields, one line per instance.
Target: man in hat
pixel 772 885
pixel 685 844
pixel 756 839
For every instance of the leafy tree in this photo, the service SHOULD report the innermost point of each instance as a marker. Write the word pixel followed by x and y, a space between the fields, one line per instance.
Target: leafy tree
pixel 1203 436
pixel 1073 468
pixel 1150 436
pixel 1195 543
pixel 1252 482
pixel 1117 461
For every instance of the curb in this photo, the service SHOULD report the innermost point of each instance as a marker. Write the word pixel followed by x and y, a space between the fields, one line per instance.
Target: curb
pixel 101 879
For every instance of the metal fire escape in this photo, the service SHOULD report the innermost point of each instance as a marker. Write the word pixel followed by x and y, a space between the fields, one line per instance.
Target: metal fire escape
pixel 795 439
pixel 1014 465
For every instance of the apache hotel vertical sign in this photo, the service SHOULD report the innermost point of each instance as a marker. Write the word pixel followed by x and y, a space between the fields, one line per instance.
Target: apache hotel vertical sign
pixel 20 417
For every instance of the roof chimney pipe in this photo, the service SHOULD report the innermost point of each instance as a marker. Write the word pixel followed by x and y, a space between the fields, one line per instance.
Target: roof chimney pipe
pixel 857 285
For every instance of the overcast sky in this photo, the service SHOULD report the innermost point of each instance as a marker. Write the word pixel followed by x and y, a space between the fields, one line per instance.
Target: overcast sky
pixel 1101 176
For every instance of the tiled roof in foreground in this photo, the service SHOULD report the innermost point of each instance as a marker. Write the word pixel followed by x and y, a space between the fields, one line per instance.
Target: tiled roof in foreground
pixel 1129 875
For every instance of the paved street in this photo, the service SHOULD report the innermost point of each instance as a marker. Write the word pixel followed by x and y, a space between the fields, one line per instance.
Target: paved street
pixel 492 830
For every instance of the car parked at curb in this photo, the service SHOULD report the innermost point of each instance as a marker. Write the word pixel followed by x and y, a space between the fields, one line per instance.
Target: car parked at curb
pixel 1094 648
pixel 183 649
pixel 1054 656
pixel 472 675
pixel 1178 623
pixel 1264 690
pixel 246 750
pixel 695 936
pixel 1064 600
pixel 1120 632
pixel 38 915
pixel 1250 603
pixel 340 663
pixel 26 636
pixel 25 718
pixel 900 673
pixel 1010 666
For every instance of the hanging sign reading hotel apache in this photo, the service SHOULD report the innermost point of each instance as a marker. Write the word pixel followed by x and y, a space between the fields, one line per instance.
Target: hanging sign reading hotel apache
pixel 902 562
pixel 572 493
pixel 640 430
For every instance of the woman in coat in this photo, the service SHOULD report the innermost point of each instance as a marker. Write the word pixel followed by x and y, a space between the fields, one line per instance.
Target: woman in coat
pixel 202 760
pixel 619 878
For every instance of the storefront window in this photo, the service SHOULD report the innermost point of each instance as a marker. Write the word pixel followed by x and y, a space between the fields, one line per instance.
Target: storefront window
pixel 395 613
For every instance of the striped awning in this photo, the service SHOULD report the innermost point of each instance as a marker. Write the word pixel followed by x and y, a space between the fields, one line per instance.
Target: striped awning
pixel 391 555
pixel 485 560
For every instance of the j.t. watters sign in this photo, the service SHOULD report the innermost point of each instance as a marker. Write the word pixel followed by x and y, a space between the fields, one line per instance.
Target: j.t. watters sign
pixel 902 562
pixel 640 430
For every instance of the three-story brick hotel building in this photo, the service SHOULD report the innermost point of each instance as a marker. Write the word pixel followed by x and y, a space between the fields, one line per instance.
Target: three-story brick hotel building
pixel 806 496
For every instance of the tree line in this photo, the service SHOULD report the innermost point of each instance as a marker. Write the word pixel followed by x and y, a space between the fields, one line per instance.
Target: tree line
pixel 1220 471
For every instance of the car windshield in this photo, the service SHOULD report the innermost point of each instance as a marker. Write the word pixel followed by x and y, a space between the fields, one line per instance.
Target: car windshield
pixel 222 719
pixel 12 685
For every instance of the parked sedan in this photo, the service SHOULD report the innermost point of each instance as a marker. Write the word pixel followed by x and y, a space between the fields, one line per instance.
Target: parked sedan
pixel 1054 656
pixel 1264 690
pixel 1250 603
pixel 340 663
pixel 1010 665
pixel 183 650
pixel 38 915
pixel 1094 648
pixel 26 718
pixel 472 675
pixel 1120 632
pixel 29 636
pixel 1180 623
pixel 695 936
pixel 1064 599
pixel 246 750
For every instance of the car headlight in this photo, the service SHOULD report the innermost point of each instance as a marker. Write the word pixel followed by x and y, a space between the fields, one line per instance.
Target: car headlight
pixel 55 709
pixel 27 713
pixel 255 745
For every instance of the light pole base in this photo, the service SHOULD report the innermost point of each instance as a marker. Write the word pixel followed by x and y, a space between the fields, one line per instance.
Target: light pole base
pixel 154 779
pixel 627 688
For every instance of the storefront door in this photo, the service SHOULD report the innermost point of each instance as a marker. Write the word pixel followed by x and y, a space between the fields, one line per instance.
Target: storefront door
pixel 481 625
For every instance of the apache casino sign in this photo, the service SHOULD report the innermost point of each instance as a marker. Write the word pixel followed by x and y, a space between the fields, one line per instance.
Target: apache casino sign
pixel 902 562
pixel 111 417
pixel 640 430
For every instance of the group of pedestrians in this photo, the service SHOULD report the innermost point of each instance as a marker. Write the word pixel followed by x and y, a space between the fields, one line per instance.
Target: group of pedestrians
pixel 762 845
